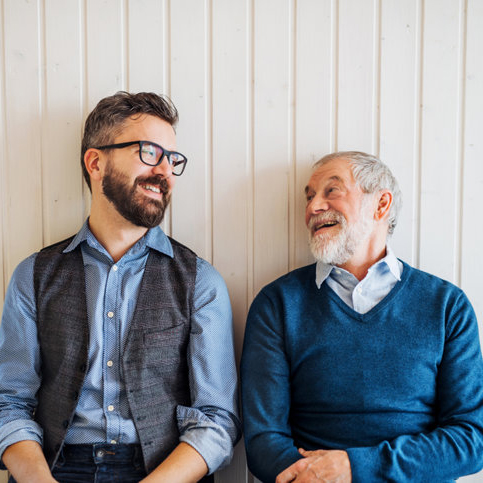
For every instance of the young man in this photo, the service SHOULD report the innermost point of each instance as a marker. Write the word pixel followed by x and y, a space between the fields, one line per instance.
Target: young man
pixel 116 351
pixel 360 368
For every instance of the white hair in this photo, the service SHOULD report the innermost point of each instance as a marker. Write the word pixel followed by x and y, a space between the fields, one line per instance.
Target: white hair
pixel 372 175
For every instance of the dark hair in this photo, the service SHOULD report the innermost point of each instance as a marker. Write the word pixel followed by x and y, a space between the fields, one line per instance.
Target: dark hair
pixel 105 122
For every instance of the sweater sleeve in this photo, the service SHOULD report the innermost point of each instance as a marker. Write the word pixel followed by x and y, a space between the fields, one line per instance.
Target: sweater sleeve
pixel 455 446
pixel 266 393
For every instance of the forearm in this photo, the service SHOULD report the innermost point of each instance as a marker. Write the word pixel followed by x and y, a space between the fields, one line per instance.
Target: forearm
pixel 26 462
pixel 183 465
pixel 440 455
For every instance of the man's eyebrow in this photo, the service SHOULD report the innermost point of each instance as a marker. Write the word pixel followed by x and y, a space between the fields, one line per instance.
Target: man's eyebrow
pixel 332 178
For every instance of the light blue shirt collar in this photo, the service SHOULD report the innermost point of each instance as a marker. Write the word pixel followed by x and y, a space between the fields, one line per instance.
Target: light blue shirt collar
pixel 154 238
pixel 323 270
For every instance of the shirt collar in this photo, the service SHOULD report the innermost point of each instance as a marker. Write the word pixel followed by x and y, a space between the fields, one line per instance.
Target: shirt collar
pixel 154 238
pixel 323 270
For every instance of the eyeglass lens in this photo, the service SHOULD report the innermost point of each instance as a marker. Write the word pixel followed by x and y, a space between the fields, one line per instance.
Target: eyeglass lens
pixel 151 154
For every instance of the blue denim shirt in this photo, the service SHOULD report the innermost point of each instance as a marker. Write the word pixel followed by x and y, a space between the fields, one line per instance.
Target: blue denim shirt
pixel 210 425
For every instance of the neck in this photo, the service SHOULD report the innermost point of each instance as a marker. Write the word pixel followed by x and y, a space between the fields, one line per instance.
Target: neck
pixel 368 254
pixel 112 231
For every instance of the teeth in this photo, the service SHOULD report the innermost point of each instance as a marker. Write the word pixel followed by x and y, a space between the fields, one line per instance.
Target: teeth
pixel 323 225
pixel 152 188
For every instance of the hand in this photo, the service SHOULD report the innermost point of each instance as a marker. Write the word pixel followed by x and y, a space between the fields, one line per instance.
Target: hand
pixel 324 466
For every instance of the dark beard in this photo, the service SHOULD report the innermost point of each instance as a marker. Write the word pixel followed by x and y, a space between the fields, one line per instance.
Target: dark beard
pixel 138 209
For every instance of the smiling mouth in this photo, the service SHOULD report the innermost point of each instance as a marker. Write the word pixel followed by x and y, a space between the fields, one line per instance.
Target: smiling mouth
pixel 150 187
pixel 327 224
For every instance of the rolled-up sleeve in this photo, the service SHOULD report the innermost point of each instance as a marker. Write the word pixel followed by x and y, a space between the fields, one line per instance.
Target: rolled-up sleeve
pixel 211 425
pixel 19 360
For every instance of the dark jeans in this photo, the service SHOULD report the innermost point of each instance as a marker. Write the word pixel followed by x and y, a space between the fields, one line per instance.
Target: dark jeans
pixel 101 463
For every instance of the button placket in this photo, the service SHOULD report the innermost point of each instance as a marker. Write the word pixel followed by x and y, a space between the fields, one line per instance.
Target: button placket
pixel 111 342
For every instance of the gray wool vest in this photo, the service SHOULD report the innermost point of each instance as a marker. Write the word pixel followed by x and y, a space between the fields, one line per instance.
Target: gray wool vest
pixel 155 368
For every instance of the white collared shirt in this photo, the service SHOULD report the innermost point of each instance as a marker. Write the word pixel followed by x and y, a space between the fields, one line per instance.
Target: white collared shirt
pixel 362 295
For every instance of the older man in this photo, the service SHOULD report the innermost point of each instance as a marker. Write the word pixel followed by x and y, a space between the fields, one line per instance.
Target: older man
pixel 116 351
pixel 360 368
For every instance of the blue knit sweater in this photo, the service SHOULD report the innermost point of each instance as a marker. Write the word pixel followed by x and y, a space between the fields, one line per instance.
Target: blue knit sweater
pixel 400 387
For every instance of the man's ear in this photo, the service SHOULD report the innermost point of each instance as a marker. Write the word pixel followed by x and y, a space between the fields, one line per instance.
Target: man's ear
pixel 92 164
pixel 383 205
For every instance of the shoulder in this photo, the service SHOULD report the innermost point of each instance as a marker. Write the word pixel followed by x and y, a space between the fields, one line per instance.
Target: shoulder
pixel 429 284
pixel 23 273
pixel 207 274
pixel 210 291
pixel 300 279
pixel 58 247
pixel 286 291
pixel 180 248
pixel 437 296
pixel 20 292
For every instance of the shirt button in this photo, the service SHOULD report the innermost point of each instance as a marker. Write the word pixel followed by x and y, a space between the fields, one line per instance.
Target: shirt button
pixel 359 289
pixel 113 441
pixel 109 363
pixel 110 407
pixel 337 272
pixel 110 314
pixel 114 267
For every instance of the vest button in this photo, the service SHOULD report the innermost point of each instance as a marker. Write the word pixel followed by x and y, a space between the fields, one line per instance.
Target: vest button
pixel 65 423
pixel 83 368
pixel 75 396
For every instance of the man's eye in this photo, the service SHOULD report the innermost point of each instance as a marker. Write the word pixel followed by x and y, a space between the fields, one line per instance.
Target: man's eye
pixel 148 151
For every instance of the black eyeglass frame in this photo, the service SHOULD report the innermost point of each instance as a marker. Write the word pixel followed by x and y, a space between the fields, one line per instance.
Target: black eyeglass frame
pixel 160 160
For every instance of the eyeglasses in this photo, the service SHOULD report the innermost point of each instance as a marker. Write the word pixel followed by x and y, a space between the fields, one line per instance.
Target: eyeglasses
pixel 152 154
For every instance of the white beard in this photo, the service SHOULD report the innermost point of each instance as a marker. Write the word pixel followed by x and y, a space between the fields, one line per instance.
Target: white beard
pixel 338 248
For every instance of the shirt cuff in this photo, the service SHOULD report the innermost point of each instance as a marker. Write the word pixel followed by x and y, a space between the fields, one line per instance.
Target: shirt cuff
pixel 18 430
pixel 211 440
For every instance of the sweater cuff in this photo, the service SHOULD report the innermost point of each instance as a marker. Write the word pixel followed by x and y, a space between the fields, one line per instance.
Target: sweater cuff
pixel 365 464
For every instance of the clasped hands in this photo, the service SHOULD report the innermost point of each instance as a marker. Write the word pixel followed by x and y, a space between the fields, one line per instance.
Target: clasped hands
pixel 327 466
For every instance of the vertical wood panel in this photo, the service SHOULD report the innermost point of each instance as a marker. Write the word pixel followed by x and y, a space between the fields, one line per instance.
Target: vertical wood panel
pixel 105 50
pixel 3 186
pixel 190 89
pixel 146 49
pixel 232 172
pixel 356 75
pixel 440 169
pixel 472 232
pixel 271 142
pixel 23 215
pixel 313 105
pixel 3 158
pixel 231 153
pixel 62 115
pixel 399 118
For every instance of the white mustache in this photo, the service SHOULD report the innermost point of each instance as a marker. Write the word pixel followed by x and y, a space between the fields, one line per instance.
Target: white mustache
pixel 327 217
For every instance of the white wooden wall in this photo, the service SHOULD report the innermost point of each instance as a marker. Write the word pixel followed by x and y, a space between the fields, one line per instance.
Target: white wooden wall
pixel 264 88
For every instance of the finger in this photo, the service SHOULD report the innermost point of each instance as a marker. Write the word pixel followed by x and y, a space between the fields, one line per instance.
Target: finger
pixel 286 476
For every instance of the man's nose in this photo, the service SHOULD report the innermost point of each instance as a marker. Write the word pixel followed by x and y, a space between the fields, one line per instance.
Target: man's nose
pixel 317 204
pixel 163 168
